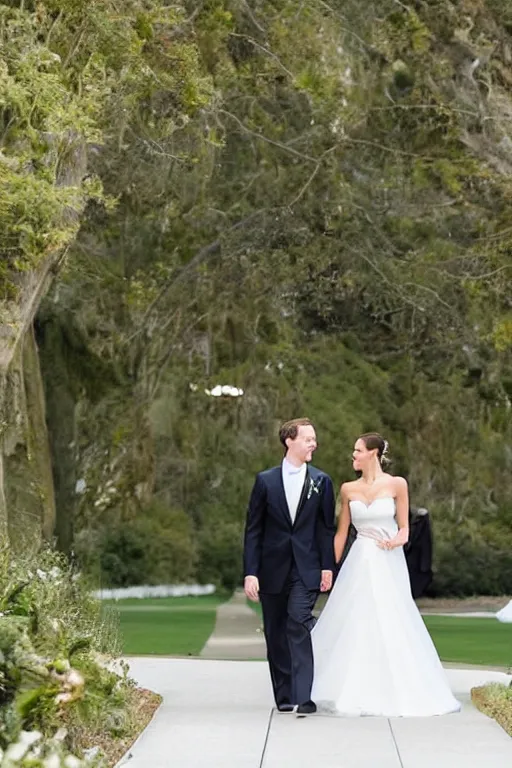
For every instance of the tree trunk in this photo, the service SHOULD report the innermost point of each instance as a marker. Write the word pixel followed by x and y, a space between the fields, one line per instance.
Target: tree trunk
pixel 27 504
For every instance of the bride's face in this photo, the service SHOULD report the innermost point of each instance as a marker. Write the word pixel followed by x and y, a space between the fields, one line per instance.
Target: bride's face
pixel 361 456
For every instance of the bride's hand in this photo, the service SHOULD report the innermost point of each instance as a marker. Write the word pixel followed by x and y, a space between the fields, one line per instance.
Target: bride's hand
pixel 399 540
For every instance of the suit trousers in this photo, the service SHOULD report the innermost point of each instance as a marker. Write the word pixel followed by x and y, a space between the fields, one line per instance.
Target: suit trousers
pixel 288 621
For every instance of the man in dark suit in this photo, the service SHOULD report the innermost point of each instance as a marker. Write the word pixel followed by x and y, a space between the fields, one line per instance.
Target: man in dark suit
pixel 288 559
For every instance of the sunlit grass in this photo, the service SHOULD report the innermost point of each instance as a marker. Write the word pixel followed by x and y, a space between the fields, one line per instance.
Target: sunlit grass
pixel 165 626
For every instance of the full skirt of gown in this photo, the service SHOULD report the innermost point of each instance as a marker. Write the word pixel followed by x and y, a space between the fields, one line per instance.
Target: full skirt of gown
pixel 372 652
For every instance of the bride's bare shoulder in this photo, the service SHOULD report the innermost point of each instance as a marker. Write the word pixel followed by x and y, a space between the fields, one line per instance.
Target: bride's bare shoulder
pixel 400 483
pixel 349 486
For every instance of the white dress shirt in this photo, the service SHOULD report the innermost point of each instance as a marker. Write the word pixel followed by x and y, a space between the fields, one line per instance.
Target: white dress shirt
pixel 293 481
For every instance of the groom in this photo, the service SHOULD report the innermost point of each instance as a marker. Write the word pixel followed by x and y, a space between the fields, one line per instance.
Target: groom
pixel 288 559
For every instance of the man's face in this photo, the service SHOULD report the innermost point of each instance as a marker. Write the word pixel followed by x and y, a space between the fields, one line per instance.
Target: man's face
pixel 304 445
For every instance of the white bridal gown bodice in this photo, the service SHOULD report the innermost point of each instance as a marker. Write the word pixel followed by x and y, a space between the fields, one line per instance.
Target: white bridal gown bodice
pixel 376 520
pixel 373 654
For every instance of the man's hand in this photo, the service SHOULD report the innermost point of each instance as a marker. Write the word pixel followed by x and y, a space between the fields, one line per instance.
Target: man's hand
pixel 252 588
pixel 326 582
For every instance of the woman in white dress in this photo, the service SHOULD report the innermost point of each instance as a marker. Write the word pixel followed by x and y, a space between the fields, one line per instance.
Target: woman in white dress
pixel 373 654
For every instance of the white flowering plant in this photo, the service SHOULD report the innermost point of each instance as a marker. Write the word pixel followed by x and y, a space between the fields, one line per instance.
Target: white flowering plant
pixel 56 686
pixel 33 750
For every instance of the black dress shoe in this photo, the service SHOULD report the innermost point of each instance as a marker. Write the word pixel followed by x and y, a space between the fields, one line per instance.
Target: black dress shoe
pixel 286 708
pixel 308 708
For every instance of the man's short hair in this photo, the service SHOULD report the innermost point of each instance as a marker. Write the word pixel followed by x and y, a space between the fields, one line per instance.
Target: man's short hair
pixel 290 429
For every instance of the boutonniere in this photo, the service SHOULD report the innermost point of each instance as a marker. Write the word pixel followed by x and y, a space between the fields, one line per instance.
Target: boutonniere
pixel 313 488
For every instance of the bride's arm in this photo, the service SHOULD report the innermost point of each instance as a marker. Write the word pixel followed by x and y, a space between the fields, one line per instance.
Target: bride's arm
pixel 340 538
pixel 402 513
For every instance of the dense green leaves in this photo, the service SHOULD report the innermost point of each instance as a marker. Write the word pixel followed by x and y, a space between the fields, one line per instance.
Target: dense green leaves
pixel 312 202
pixel 72 75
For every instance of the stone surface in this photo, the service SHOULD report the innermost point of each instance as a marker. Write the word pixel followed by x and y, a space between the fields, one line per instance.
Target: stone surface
pixel 238 632
pixel 219 714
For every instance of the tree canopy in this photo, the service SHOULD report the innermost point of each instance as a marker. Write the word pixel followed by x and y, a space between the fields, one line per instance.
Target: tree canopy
pixel 308 201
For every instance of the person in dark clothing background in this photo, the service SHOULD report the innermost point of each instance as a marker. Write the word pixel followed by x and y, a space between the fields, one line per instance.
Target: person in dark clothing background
pixel 418 551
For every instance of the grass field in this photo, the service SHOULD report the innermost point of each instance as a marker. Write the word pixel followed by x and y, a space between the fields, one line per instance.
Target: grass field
pixel 471 641
pixel 466 641
pixel 181 625
pixel 165 626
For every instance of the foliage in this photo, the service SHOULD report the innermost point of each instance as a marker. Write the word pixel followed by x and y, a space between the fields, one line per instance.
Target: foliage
pixel 54 680
pixel 313 204
pixel 32 750
pixel 495 700
pixel 157 547
pixel 72 74
pixel 220 561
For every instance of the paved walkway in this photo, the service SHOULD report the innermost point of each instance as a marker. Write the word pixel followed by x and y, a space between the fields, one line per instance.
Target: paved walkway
pixel 218 714
pixel 238 632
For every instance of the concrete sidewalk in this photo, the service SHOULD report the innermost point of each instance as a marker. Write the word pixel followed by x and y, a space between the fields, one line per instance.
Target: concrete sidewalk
pixel 238 632
pixel 218 714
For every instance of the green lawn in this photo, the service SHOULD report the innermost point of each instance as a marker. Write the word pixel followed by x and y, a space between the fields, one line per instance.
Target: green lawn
pixel 165 626
pixel 465 641
pixel 182 625
pixel 471 641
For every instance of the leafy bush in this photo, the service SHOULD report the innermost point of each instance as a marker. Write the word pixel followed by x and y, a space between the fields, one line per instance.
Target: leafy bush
pixel 471 568
pixel 32 750
pixel 54 679
pixel 156 548
pixel 220 555
pixel 471 561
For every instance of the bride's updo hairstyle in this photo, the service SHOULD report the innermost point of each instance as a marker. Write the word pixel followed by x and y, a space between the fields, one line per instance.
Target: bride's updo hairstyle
pixel 373 441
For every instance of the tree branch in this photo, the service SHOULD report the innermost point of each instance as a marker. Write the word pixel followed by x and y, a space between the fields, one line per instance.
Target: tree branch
pixel 306 185
pixel 200 256
pixel 265 50
pixel 266 139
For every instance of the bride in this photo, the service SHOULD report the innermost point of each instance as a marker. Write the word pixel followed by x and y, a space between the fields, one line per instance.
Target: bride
pixel 373 654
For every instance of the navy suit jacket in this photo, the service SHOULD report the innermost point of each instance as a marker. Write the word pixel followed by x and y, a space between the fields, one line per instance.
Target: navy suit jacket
pixel 272 543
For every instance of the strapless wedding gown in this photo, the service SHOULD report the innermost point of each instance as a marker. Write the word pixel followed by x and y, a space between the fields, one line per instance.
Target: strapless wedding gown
pixel 373 654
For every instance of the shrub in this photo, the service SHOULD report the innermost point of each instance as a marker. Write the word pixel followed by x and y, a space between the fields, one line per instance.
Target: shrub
pixel 466 566
pixel 495 700
pixel 220 555
pixel 158 547
pixel 54 681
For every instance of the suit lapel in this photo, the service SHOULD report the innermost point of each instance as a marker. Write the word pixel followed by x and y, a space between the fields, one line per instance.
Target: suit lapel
pixel 311 476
